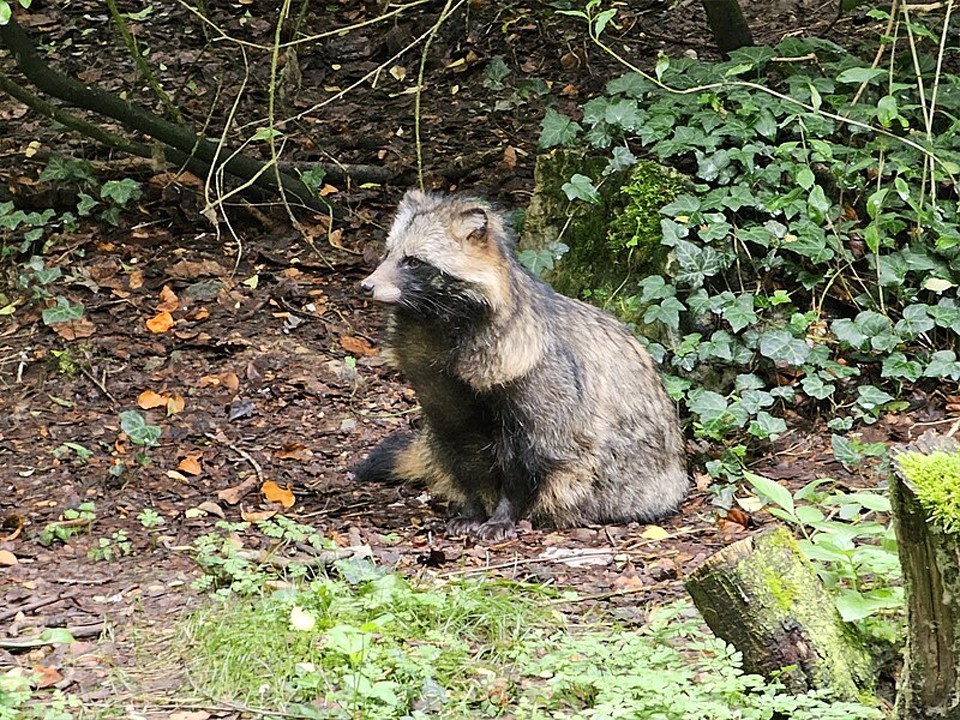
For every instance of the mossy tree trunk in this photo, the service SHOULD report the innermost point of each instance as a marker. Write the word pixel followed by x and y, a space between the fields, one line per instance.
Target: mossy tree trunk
pixel 762 596
pixel 930 555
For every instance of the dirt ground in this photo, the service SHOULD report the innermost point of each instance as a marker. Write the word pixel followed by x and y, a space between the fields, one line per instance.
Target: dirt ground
pixel 274 353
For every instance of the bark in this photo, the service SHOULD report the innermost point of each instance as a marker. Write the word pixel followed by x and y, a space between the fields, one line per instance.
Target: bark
pixel 763 597
pixel 930 682
pixel 185 143
pixel 730 30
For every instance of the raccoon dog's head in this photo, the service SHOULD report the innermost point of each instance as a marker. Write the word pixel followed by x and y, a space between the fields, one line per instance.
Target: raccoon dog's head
pixel 445 257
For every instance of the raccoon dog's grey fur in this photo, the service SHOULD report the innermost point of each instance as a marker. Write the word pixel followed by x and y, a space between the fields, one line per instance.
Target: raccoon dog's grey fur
pixel 534 403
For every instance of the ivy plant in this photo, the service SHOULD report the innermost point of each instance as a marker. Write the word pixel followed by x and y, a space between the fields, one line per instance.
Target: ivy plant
pixel 815 255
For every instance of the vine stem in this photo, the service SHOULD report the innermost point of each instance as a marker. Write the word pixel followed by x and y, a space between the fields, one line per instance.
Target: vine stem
pixel 432 33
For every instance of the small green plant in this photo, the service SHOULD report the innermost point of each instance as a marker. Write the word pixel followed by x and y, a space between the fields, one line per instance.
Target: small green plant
pixel 150 518
pixel 140 432
pixel 71 523
pixel 848 537
pixel 232 569
pixel 117 545
pixel 80 453
pixel 19 700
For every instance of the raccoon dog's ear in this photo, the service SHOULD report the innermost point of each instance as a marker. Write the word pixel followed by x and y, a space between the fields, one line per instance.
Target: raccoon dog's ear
pixel 470 226
pixel 413 199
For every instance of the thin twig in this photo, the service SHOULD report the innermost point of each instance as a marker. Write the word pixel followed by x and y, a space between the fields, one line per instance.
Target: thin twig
pixel 222 439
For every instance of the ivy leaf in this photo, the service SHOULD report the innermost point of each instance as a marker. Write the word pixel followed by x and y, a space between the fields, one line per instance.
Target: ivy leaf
pixel 872 398
pixel 683 206
pixel 740 313
pixel 814 386
pixel 140 432
pixel 496 72
pixel 805 178
pixel 557 129
pixel 782 347
pixel 707 405
pixel 655 288
pixel 845 452
pixel 580 187
pixel 766 426
pixel 667 312
pixel 859 75
pixel 915 320
pixel 943 363
pixel 631 84
pixel 848 333
pixel 63 311
pixel 896 365
pixel 817 204
pixel 623 114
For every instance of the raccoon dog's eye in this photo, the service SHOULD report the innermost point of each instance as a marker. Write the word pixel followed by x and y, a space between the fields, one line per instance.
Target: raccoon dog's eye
pixel 413 262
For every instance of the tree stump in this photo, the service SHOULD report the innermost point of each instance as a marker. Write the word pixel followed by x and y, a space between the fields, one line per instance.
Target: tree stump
pixel 929 546
pixel 763 596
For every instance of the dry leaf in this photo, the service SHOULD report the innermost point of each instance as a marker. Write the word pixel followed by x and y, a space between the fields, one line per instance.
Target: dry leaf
pixel 294 451
pixel 509 158
pixel 213 509
pixel 190 465
pixel 49 676
pixel 654 532
pixel 230 381
pixel 175 404
pixel 274 493
pixel 256 515
pixel 168 300
pixel 235 494
pixel 174 475
pixel 74 329
pixel 357 346
pixel 161 322
pixel 148 399
pixel 7 558
pixel 135 281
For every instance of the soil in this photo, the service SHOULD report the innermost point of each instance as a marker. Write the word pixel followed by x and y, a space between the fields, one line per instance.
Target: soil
pixel 272 370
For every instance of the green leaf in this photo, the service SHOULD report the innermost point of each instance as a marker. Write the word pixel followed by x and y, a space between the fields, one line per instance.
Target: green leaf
pixel 557 129
pixel 805 178
pixel 845 452
pixel 771 491
pixel 667 312
pixel 707 404
pixel 495 73
pixel 63 311
pixel 121 192
pixel 782 347
pixel 140 432
pixel 853 606
pixel 740 313
pixel 875 202
pixel 872 397
pixel 630 84
pixel 915 320
pixel 860 74
pixel 580 187
pixel 766 426
pixel 817 204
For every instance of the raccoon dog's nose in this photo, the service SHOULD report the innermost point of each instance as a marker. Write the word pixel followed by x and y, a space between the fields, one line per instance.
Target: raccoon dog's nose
pixel 367 286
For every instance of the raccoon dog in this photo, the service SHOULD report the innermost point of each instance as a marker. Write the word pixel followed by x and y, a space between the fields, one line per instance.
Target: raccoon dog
pixel 534 403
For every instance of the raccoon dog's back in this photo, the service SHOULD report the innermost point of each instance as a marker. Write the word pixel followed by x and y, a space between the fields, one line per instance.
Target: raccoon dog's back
pixel 534 403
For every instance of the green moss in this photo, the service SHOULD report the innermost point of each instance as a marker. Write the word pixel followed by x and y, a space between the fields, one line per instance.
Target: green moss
pixel 637 226
pixel 936 481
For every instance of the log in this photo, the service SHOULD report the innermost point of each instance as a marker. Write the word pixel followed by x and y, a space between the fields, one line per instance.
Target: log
pixel 763 596
pixel 929 549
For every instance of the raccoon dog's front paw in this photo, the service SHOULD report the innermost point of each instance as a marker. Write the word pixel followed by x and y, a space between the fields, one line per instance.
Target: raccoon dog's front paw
pixel 461 526
pixel 496 530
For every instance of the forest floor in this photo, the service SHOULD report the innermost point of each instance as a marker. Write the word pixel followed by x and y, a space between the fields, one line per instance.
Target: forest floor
pixel 272 369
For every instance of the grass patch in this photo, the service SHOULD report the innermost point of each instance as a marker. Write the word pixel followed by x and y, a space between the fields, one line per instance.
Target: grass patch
pixel 367 644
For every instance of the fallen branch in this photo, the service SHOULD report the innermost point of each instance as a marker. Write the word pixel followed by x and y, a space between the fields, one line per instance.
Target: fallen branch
pixel 185 144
